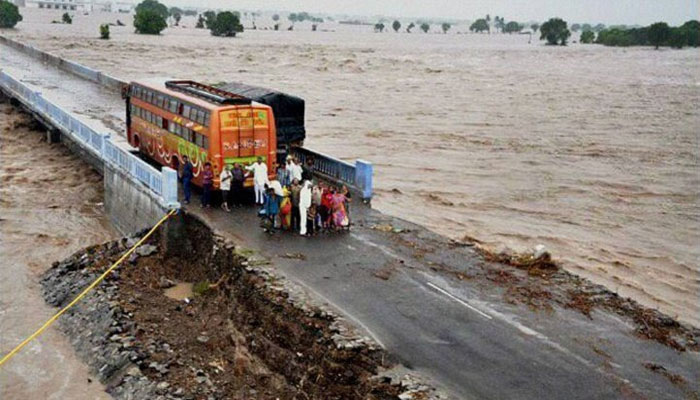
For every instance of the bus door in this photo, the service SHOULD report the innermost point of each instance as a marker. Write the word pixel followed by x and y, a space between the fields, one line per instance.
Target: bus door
pixel 237 141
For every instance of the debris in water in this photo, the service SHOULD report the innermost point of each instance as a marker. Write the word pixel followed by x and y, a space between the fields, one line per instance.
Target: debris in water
pixel 294 256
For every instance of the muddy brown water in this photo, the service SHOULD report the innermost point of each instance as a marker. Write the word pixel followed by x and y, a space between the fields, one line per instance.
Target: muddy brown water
pixel 48 210
pixel 592 151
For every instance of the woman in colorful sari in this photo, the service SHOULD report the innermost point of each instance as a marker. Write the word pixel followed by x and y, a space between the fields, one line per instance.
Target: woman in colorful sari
pixel 286 209
pixel 340 216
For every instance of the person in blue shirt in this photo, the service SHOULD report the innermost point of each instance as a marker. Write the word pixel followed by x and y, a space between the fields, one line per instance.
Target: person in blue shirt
pixel 272 208
pixel 187 176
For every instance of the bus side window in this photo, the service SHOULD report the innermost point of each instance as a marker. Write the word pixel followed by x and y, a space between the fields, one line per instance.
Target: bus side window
pixel 200 116
pixel 173 106
pixel 186 111
pixel 205 142
pixel 180 108
pixel 159 121
pixel 206 118
pixel 198 140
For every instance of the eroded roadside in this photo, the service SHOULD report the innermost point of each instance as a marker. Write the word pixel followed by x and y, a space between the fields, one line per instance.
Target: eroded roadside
pixel 243 333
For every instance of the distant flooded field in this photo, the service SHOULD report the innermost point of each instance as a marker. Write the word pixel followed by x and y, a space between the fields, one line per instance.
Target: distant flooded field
pixel 592 151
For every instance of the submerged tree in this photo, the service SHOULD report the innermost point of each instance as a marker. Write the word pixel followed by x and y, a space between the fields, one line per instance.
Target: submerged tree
pixel 658 33
pixel 410 26
pixel 555 31
pixel 512 27
pixel 480 25
pixel 396 25
pixel 66 18
pixel 587 37
pixel 446 27
pixel 535 27
pixel 200 22
pixel 575 27
pixel 104 31
pixel 425 27
pixel 150 17
pixel 379 27
pixel 9 14
pixel 226 24
pixel 209 18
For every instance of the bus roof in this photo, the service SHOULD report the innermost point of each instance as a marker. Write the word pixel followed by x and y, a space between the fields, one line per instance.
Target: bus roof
pixel 198 94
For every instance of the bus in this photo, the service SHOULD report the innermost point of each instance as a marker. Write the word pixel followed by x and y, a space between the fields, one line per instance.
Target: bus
pixel 167 120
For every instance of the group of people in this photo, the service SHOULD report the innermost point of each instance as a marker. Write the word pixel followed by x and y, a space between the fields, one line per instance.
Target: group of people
pixel 291 202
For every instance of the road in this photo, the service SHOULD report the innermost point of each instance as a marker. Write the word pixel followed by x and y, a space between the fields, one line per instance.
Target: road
pixel 461 333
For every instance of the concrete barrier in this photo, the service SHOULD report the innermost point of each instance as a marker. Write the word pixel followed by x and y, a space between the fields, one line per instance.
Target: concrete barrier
pixel 80 70
pixel 136 194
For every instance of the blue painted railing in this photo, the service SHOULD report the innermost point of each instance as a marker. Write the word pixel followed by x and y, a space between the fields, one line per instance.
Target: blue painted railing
pixel 162 183
pixel 357 176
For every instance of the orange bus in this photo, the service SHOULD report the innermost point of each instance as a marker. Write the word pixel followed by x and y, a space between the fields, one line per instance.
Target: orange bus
pixel 167 120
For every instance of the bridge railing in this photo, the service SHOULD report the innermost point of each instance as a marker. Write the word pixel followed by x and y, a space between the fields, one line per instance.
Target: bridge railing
pixel 161 183
pixel 357 176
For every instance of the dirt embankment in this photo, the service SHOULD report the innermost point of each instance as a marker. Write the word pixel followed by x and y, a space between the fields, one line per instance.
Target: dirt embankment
pixel 243 333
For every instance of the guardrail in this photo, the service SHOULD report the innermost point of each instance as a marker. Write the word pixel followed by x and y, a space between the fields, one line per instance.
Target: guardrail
pixel 162 183
pixel 357 176
pixel 66 65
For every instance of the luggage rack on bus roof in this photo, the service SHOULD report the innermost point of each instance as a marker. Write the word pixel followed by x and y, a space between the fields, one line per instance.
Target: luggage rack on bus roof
pixel 206 92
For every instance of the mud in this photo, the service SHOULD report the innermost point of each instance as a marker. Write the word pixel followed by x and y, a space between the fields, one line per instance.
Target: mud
pixel 243 334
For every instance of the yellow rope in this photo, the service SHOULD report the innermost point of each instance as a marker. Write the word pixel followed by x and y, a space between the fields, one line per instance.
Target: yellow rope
pixel 84 292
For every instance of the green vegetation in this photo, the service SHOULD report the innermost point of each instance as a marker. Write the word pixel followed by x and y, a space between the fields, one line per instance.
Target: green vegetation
pixel 396 25
pixel 587 37
pixel 201 288
pixel 176 13
pixel 66 18
pixel 200 22
pixel 555 31
pixel 104 31
pixel 209 18
pixel 410 26
pixel 586 28
pixel 480 25
pixel 513 27
pixel 575 27
pixel 535 27
pixel 425 27
pixel 598 28
pixel 150 17
pixel 226 24
pixel 445 27
pixel 657 35
pixel 379 27
pixel 9 14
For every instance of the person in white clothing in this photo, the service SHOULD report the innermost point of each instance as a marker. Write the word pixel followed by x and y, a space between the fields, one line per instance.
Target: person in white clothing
pixel 304 204
pixel 295 170
pixel 260 178
pixel 225 185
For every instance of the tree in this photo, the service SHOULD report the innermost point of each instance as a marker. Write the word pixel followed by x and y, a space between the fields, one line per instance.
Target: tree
pixel 226 24
pixel 379 27
pixel 445 27
pixel 692 28
pixel 150 17
pixel 586 28
pixel 200 22
pixel 587 37
pixel 177 17
pixel 209 18
pixel 9 14
pixel 658 33
pixel 499 23
pixel 396 25
pixel 155 6
pixel 410 26
pixel 555 31
pixel 425 27
pixel 66 18
pixel 175 10
pixel 275 17
pixel 512 27
pixel 480 25
pixel 575 27
pixel 104 31
pixel 535 27
pixel 598 28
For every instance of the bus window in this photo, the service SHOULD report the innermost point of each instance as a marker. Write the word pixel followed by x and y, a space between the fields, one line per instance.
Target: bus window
pixel 186 111
pixel 206 118
pixel 187 135
pixel 173 106
pixel 205 142
pixel 198 140
pixel 200 116
pixel 180 107
pixel 159 121
pixel 149 97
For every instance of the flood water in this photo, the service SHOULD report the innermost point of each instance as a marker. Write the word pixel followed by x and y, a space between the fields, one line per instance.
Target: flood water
pixel 591 151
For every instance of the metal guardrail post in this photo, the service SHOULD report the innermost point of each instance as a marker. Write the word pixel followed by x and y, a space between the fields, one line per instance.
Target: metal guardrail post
pixel 363 177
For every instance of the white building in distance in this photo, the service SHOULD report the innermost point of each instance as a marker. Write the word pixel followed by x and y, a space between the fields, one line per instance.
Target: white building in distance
pixel 68 5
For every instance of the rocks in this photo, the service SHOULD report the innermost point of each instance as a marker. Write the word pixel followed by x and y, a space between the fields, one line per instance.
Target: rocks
pixel 146 250
pixel 165 283
pixel 540 253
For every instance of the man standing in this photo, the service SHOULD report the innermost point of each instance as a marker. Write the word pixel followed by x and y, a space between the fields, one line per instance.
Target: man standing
pixel 304 204
pixel 238 177
pixel 296 220
pixel 225 186
pixel 207 183
pixel 307 171
pixel 187 176
pixel 259 179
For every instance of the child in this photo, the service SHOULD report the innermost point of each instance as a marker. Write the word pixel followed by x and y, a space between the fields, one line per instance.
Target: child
pixel 272 208
pixel 310 220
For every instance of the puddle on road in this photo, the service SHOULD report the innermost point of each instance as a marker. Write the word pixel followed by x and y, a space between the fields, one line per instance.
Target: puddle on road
pixel 180 291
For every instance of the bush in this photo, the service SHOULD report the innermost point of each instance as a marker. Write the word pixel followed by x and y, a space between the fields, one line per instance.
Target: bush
pixel 659 33
pixel 9 14
pixel 104 31
pixel 587 37
pixel 66 18
pixel 446 27
pixel 226 24
pixel 149 22
pixel 480 25
pixel 410 26
pixel 513 27
pixel 155 6
pixel 425 27
pixel 555 31
pixel 396 25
